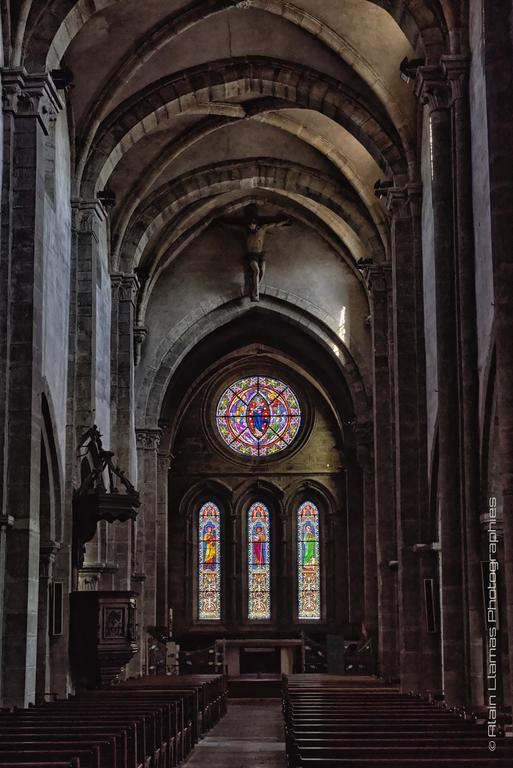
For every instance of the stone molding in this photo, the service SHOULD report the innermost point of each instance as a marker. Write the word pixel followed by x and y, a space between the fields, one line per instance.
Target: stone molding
pixel 148 439
pixel 6 522
pixel 30 95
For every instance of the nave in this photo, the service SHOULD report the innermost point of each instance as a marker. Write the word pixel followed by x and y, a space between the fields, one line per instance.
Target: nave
pixel 251 734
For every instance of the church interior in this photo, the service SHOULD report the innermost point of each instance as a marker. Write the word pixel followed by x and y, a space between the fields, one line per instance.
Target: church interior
pixel 256 388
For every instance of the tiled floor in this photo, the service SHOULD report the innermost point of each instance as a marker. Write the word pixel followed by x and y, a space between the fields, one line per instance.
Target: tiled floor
pixel 250 736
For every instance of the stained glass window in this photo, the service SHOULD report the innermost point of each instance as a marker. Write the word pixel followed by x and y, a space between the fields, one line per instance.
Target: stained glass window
pixel 308 563
pixel 209 562
pixel 259 562
pixel 258 416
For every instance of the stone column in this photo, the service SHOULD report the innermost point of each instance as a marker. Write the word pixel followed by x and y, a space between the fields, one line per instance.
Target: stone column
pixel 434 90
pixel 499 89
pixel 457 72
pixel 409 417
pixel 6 522
pixel 29 101
pixel 124 294
pixel 89 218
pixel 148 442
pixel 163 466
pixel 354 541
pixel 379 281
pixel 48 551
pixel 370 575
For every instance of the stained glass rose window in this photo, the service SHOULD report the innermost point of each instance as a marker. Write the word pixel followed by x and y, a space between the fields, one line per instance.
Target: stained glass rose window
pixel 258 416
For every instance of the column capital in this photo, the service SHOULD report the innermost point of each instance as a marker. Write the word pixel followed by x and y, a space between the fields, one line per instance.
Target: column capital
pixel 140 333
pixel 127 284
pixel 378 277
pixel 433 88
pixel 87 214
pixel 148 439
pixel 30 95
pixel 400 199
pixel 457 70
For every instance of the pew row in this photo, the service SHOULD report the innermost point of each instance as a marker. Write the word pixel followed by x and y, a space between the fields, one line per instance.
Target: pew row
pixel 329 724
pixel 151 722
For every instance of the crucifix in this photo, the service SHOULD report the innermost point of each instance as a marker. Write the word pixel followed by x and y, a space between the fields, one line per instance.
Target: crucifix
pixel 255 229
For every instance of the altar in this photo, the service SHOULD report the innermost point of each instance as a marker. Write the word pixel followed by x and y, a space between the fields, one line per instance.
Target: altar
pixel 254 656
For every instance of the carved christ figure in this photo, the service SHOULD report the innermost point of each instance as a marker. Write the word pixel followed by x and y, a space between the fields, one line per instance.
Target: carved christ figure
pixel 255 231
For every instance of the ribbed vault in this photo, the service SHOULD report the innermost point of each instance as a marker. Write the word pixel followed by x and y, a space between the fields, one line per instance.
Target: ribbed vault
pixel 187 114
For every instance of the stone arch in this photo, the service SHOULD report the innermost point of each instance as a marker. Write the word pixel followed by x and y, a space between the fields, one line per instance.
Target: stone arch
pixel 48 42
pixel 219 82
pixel 213 488
pixel 141 189
pixel 174 25
pixel 312 487
pixel 163 206
pixel 184 232
pixel 179 342
pixel 168 248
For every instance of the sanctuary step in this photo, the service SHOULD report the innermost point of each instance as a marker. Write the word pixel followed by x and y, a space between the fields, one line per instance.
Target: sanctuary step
pixel 335 722
pixel 259 686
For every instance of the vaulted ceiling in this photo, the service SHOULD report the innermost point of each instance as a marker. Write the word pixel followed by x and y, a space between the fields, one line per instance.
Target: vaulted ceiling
pixel 178 104
pixel 187 111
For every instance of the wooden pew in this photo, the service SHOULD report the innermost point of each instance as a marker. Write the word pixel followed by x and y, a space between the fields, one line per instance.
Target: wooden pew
pixel 73 763
pixel 144 723
pixel 327 724
pixel 89 758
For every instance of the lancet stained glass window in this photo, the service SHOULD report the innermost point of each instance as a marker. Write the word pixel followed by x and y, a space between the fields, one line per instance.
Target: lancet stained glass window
pixel 258 416
pixel 209 562
pixel 259 562
pixel 308 562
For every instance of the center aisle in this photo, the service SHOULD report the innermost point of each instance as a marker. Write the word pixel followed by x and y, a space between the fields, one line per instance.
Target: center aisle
pixel 251 734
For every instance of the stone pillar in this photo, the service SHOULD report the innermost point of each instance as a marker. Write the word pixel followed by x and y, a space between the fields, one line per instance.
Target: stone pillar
pixel 163 466
pixel 6 522
pixel 354 541
pixel 29 101
pixel 89 218
pixel 124 294
pixel 409 418
pixel 434 90
pixel 379 281
pixel 47 554
pixel 457 72
pixel 89 221
pixel 370 575
pixel 148 442
pixel 499 89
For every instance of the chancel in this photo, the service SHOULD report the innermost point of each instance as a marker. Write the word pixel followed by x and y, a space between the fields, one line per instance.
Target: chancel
pixel 256 389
